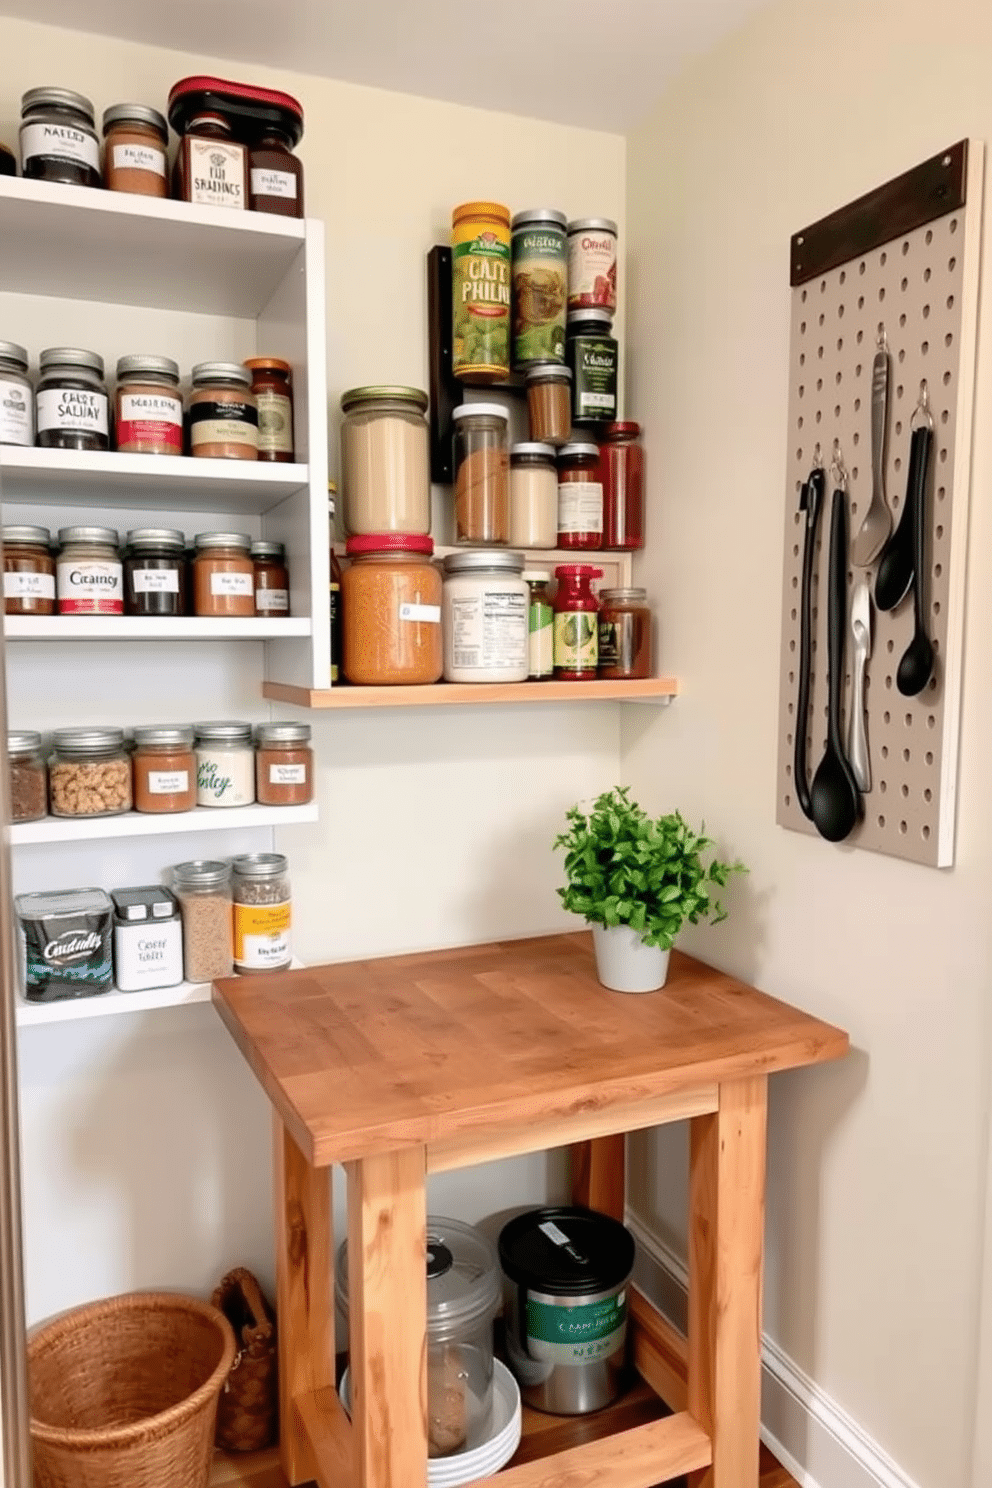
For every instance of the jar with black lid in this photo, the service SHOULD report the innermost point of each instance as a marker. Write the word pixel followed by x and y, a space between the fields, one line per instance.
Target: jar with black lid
pixel 71 400
pixel 58 137
pixel 155 572
pixel 275 174
pixel 593 357
pixel 16 396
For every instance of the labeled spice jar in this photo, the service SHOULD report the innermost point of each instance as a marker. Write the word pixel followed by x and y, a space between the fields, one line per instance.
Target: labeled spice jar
pixel 223 575
pixel 580 497
pixel 480 291
pixel 148 939
pixel 482 474
pixel 621 469
pixel 16 396
pixel 624 634
pixel 211 166
pixel 540 625
pixel 28 571
pixel 89 572
pixel 225 764
pixel 135 150
pixel 271 578
pixel 89 773
pixel 385 461
pixel 391 604
pixel 275 174
pixel 549 403
pixel 164 768
pixel 155 572
pixel 58 138
pixel 148 407
pixel 28 781
pixel 540 286
pixel 262 912
pixel 283 764
pixel 592 264
pixel 223 413
pixel 593 357
pixel 71 400
pixel 203 888
pixel 533 496
pixel 576 622
pixel 486 606
pixel 272 385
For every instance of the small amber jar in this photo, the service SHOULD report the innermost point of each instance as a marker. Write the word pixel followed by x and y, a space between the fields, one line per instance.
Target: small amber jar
pixel 28 571
pixel 283 764
pixel 272 386
pixel 223 575
pixel 135 150
pixel 275 174
pixel 271 578
pixel 624 634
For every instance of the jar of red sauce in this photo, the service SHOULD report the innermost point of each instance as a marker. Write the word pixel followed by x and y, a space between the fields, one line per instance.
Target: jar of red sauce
pixel 621 471
pixel 580 497
pixel 576 643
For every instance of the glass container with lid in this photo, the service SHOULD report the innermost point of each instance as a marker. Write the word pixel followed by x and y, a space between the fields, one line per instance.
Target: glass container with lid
pixel 89 572
pixel 262 913
pixel 464 1295
pixel 155 572
pixel 71 400
pixel 223 412
pixel 16 396
pixel 391 611
pixel 533 496
pixel 486 608
pixel 283 764
pixel 580 497
pixel 211 165
pixel 148 407
pixel 275 174
pixel 385 461
pixel 540 625
pixel 148 939
pixel 482 474
pixel 28 571
pixel 225 764
pixel 135 150
pixel 621 466
pixel 549 403
pixel 272 385
pixel 203 888
pixel 89 773
pixel 624 634
pixel 271 578
pixel 164 768
pixel 58 137
pixel 28 782
pixel 223 575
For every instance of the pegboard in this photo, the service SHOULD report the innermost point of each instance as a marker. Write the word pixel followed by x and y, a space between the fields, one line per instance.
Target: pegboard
pixel 917 274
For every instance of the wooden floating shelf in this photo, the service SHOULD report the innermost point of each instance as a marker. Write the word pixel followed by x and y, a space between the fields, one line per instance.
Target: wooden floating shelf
pixel 658 690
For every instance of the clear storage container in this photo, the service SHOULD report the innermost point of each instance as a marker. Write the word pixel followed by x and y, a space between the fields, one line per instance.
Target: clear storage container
pixel 482 474
pixel 164 768
pixel 203 888
pixel 28 571
pixel 283 764
pixel 16 396
pixel 385 461
pixel 262 912
pixel 533 496
pixel 391 609
pixel 28 791
pixel 89 773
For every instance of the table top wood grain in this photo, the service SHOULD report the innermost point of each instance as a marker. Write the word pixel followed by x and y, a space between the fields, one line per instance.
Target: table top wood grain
pixel 362 1057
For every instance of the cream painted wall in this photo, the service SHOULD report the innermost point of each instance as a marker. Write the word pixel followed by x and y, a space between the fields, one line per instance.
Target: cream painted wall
pixel 146 1142
pixel 877 1166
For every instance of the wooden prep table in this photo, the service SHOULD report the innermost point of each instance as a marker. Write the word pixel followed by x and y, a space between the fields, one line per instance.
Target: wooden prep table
pixel 417 1064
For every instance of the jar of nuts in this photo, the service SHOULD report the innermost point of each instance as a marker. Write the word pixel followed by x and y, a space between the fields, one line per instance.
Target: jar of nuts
pixel 89 773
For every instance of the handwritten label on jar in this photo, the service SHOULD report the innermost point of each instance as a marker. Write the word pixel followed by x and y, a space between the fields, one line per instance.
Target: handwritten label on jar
pixel 272 601
pixel 155 580
pixel 428 614
pixel 139 157
pixel 287 774
pixel 150 418
pixel 28 586
pixel 217 173
pixel 226 778
pixel 90 587
pixel 261 936
pixel 16 413
pixel 77 409
pixel 168 782
pixel 60 142
pixel 275 423
pixel 232 583
pixel 273 183
pixel 580 506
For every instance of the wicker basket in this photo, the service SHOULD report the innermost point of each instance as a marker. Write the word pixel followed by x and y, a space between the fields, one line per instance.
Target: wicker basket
pixel 124 1393
pixel 248 1417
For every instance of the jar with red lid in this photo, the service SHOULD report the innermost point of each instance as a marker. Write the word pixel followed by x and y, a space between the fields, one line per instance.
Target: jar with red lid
pixel 580 497
pixel 576 622
pixel 391 602
pixel 621 471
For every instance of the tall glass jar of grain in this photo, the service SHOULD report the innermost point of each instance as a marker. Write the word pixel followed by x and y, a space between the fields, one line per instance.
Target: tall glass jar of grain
pixel 203 888
pixel 385 461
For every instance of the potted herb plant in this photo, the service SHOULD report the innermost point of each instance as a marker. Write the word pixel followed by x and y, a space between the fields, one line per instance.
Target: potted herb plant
pixel 637 880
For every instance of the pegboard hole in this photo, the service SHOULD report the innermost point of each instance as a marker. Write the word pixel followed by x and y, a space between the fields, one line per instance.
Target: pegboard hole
pixel 822 318
pixel 932 685
pixel 803 297
pixel 926 834
pixel 856 438
pixel 905 249
pixel 823 286
pixel 928 794
pixel 843 276
pixel 925 347
pixel 857 405
pixel 905 284
pixel 890 646
pixel 885 751
pixel 943 456
pixel 906 756
pixel 898 462
pixel 898 426
pixel 903 828
pixel 861 337
pixel 926 275
pixel 792 645
pixel 944 416
pixel 881 293
pixel 888 716
pixel 861 302
pixel 802 328
pixel 902 354
pixel 788 800
pixel 840 312
pixel 836 410
pixel 939 532
pixel 819 352
pixel 888 683
pixel 905 791
pixel 792 708
pixel 819 381
pixel 881 821
pixel 950 302
pixel 854 476
pixel 883 787
pixel 802 359
pixel 929 237
pixel 819 415
pixel 954 225
pixel 909 721
pixel 931 721
pixel 884 259
pixel 788 738
pixel 857 370
pixel 929 756
pixel 801 390
pixel 861 267
pixel 937 570
pixel 788 769
pixel 949 339
pixel 840 343
pixel 952 264
pixel 926 312
pixel 899 391
pixel 839 378
pixel 902 322
pixel 941 492
pixel 936 610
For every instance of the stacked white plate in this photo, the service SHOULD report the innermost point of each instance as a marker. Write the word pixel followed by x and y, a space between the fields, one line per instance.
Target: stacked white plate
pixel 499 1438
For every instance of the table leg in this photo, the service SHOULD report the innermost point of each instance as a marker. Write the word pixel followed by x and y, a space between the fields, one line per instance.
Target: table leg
pixel 387 1248
pixel 304 1296
pixel 598 1174
pixel 726 1235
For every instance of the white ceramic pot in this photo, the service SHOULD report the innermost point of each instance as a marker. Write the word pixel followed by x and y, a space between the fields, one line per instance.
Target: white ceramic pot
pixel 624 963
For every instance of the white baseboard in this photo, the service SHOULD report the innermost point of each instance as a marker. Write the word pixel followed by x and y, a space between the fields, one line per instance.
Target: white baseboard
pixel 810 1434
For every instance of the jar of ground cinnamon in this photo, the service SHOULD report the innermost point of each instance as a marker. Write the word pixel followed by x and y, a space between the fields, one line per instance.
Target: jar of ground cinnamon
pixel 28 571
pixel 271 578
pixel 482 474
pixel 164 769
pixel 223 412
pixel 223 575
pixel 283 764
pixel 135 140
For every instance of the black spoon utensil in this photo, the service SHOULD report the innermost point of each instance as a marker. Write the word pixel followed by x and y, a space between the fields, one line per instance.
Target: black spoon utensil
pixel 898 561
pixel 834 795
pixel 810 501
pixel 916 664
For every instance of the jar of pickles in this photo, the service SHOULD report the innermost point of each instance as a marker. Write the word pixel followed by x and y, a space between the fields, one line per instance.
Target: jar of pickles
pixel 391 603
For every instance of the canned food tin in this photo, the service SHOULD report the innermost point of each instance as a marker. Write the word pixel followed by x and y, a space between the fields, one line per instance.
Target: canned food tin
pixel 592 264
pixel 480 288
pixel 540 286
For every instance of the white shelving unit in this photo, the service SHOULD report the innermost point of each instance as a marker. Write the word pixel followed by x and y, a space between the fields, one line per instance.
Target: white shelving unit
pixel 146 824
pixel 115 628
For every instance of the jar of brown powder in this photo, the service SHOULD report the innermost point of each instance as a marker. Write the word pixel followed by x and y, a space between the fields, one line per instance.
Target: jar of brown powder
pixel 283 764
pixel 391 602
pixel 272 385
pixel 482 474
pixel 28 783
pixel 203 888
pixel 223 575
pixel 148 408
pixel 164 769
pixel 271 578
pixel 135 158
pixel 549 403
pixel 28 571
pixel 223 412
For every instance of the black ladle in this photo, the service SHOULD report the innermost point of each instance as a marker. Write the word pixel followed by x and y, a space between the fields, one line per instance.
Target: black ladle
pixel 810 502
pixel 834 795
pixel 897 564
pixel 916 665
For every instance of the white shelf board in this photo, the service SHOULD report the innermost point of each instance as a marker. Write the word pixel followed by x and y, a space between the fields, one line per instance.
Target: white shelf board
pixel 151 824
pixel 104 478
pixel 177 256
pixel 142 628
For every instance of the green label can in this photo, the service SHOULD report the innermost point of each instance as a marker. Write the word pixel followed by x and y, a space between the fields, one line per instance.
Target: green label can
pixel 480 291
pixel 540 288
pixel 576 1335
pixel 577 641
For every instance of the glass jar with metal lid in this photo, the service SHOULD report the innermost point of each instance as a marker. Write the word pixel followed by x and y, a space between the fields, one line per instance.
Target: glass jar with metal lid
pixel 580 497
pixel 272 385
pixel 155 572
pixel 533 496
pixel 271 578
pixel 223 575
pixel 203 888
pixel 89 572
pixel 486 605
pixel 283 764
pixel 148 407
pixel 223 412
pixel 58 137
pixel 28 571
pixel 89 773
pixel 135 149
pixel 391 609
pixel 549 403
pixel 28 785
pixel 482 473
pixel 385 461
pixel 624 634
pixel 540 286
pixel 71 400
pixel 262 912
pixel 16 396
pixel 225 764
pixel 164 768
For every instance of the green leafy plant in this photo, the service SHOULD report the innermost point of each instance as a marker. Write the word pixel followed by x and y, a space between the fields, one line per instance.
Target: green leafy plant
pixel 627 868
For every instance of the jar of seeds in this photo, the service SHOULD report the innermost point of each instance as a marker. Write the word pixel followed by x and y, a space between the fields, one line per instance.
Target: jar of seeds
pixel 203 888
pixel 262 912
